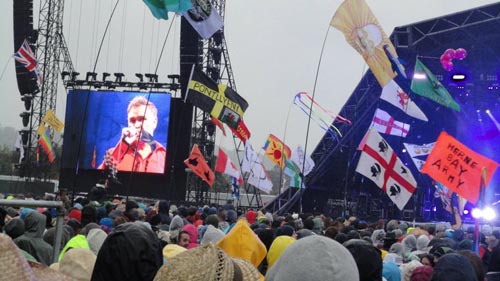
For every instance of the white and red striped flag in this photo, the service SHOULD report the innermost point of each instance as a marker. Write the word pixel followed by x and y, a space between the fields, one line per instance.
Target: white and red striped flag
pixel 384 123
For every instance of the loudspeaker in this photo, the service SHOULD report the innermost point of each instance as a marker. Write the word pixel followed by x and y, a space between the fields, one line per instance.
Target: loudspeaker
pixel 23 29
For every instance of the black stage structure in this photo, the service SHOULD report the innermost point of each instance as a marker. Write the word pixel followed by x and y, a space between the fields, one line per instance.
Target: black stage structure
pixel 335 188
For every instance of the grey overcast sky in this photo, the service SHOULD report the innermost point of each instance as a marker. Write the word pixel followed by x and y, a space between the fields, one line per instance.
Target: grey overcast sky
pixel 274 48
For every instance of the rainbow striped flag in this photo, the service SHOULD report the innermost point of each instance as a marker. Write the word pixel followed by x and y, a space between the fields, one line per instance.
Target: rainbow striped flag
pixel 45 142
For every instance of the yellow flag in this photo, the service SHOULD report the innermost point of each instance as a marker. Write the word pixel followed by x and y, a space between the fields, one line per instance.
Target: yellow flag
pixel 51 119
pixel 363 32
pixel 41 129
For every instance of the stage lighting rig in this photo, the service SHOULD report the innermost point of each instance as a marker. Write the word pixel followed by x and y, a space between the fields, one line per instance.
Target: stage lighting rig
pixel 140 76
pixel 119 76
pixel 174 81
pixel 104 76
pixel 27 101
pixel 74 75
pixel 65 75
pixel 25 115
pixel 91 76
pixel 153 78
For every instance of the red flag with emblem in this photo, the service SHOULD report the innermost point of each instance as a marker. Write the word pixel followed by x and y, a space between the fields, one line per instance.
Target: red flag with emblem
pixel 197 163
pixel 379 163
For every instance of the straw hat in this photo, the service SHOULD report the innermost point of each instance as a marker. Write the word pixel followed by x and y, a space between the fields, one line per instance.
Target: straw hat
pixel 78 263
pixel 13 266
pixel 217 265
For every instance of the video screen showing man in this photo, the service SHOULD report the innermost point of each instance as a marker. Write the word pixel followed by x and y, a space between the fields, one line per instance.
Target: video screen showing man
pixel 137 150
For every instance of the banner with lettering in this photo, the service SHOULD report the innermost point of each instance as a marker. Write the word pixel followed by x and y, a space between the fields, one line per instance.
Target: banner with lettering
pixel 458 167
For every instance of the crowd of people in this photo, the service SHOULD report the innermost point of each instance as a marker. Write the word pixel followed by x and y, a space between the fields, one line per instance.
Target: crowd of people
pixel 129 240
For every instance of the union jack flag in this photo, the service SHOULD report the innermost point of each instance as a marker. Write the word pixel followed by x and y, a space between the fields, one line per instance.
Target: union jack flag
pixel 27 58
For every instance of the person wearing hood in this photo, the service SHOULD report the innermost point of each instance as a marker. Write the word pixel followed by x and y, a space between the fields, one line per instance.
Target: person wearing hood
pixel 163 211
pixel 314 258
pixel 278 246
pixel 452 267
pixel 422 244
pixel 193 235
pixel 131 252
pixel 32 239
pixel 212 235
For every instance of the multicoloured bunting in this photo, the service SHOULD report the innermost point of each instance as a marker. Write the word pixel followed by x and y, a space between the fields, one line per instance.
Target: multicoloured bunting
pixel 197 163
pixel 394 95
pixel 458 167
pixel 379 163
pixel 424 83
pixel 276 150
pixel 386 124
pixel 364 33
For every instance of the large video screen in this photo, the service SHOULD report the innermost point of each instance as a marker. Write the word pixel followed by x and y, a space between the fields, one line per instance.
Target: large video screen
pixel 127 131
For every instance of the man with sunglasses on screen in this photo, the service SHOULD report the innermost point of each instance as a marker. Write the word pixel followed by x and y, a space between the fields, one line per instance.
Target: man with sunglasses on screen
pixel 137 151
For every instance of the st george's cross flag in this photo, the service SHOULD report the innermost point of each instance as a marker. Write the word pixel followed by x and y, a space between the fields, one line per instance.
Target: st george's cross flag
pixel 386 124
pixel 394 95
pixel 379 163
pixel 224 165
pixel 252 165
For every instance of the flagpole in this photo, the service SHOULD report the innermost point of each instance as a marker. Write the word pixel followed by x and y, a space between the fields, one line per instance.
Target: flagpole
pixel 309 117
pixel 479 205
pixel 146 108
pixel 87 104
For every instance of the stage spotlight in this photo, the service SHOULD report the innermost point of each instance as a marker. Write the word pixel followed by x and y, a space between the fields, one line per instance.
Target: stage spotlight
pixel 74 74
pixel 404 150
pixel 419 76
pixel 153 78
pixel 466 212
pixel 64 74
pixel 476 213
pixel 459 77
pixel 92 75
pixel 489 214
pixel 119 76
pixel 140 76
pixel 27 101
pixel 105 75
pixel 26 118
pixel 25 135
pixel 487 111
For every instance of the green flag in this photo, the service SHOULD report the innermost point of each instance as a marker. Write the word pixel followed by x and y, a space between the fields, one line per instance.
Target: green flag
pixel 424 83
pixel 293 172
